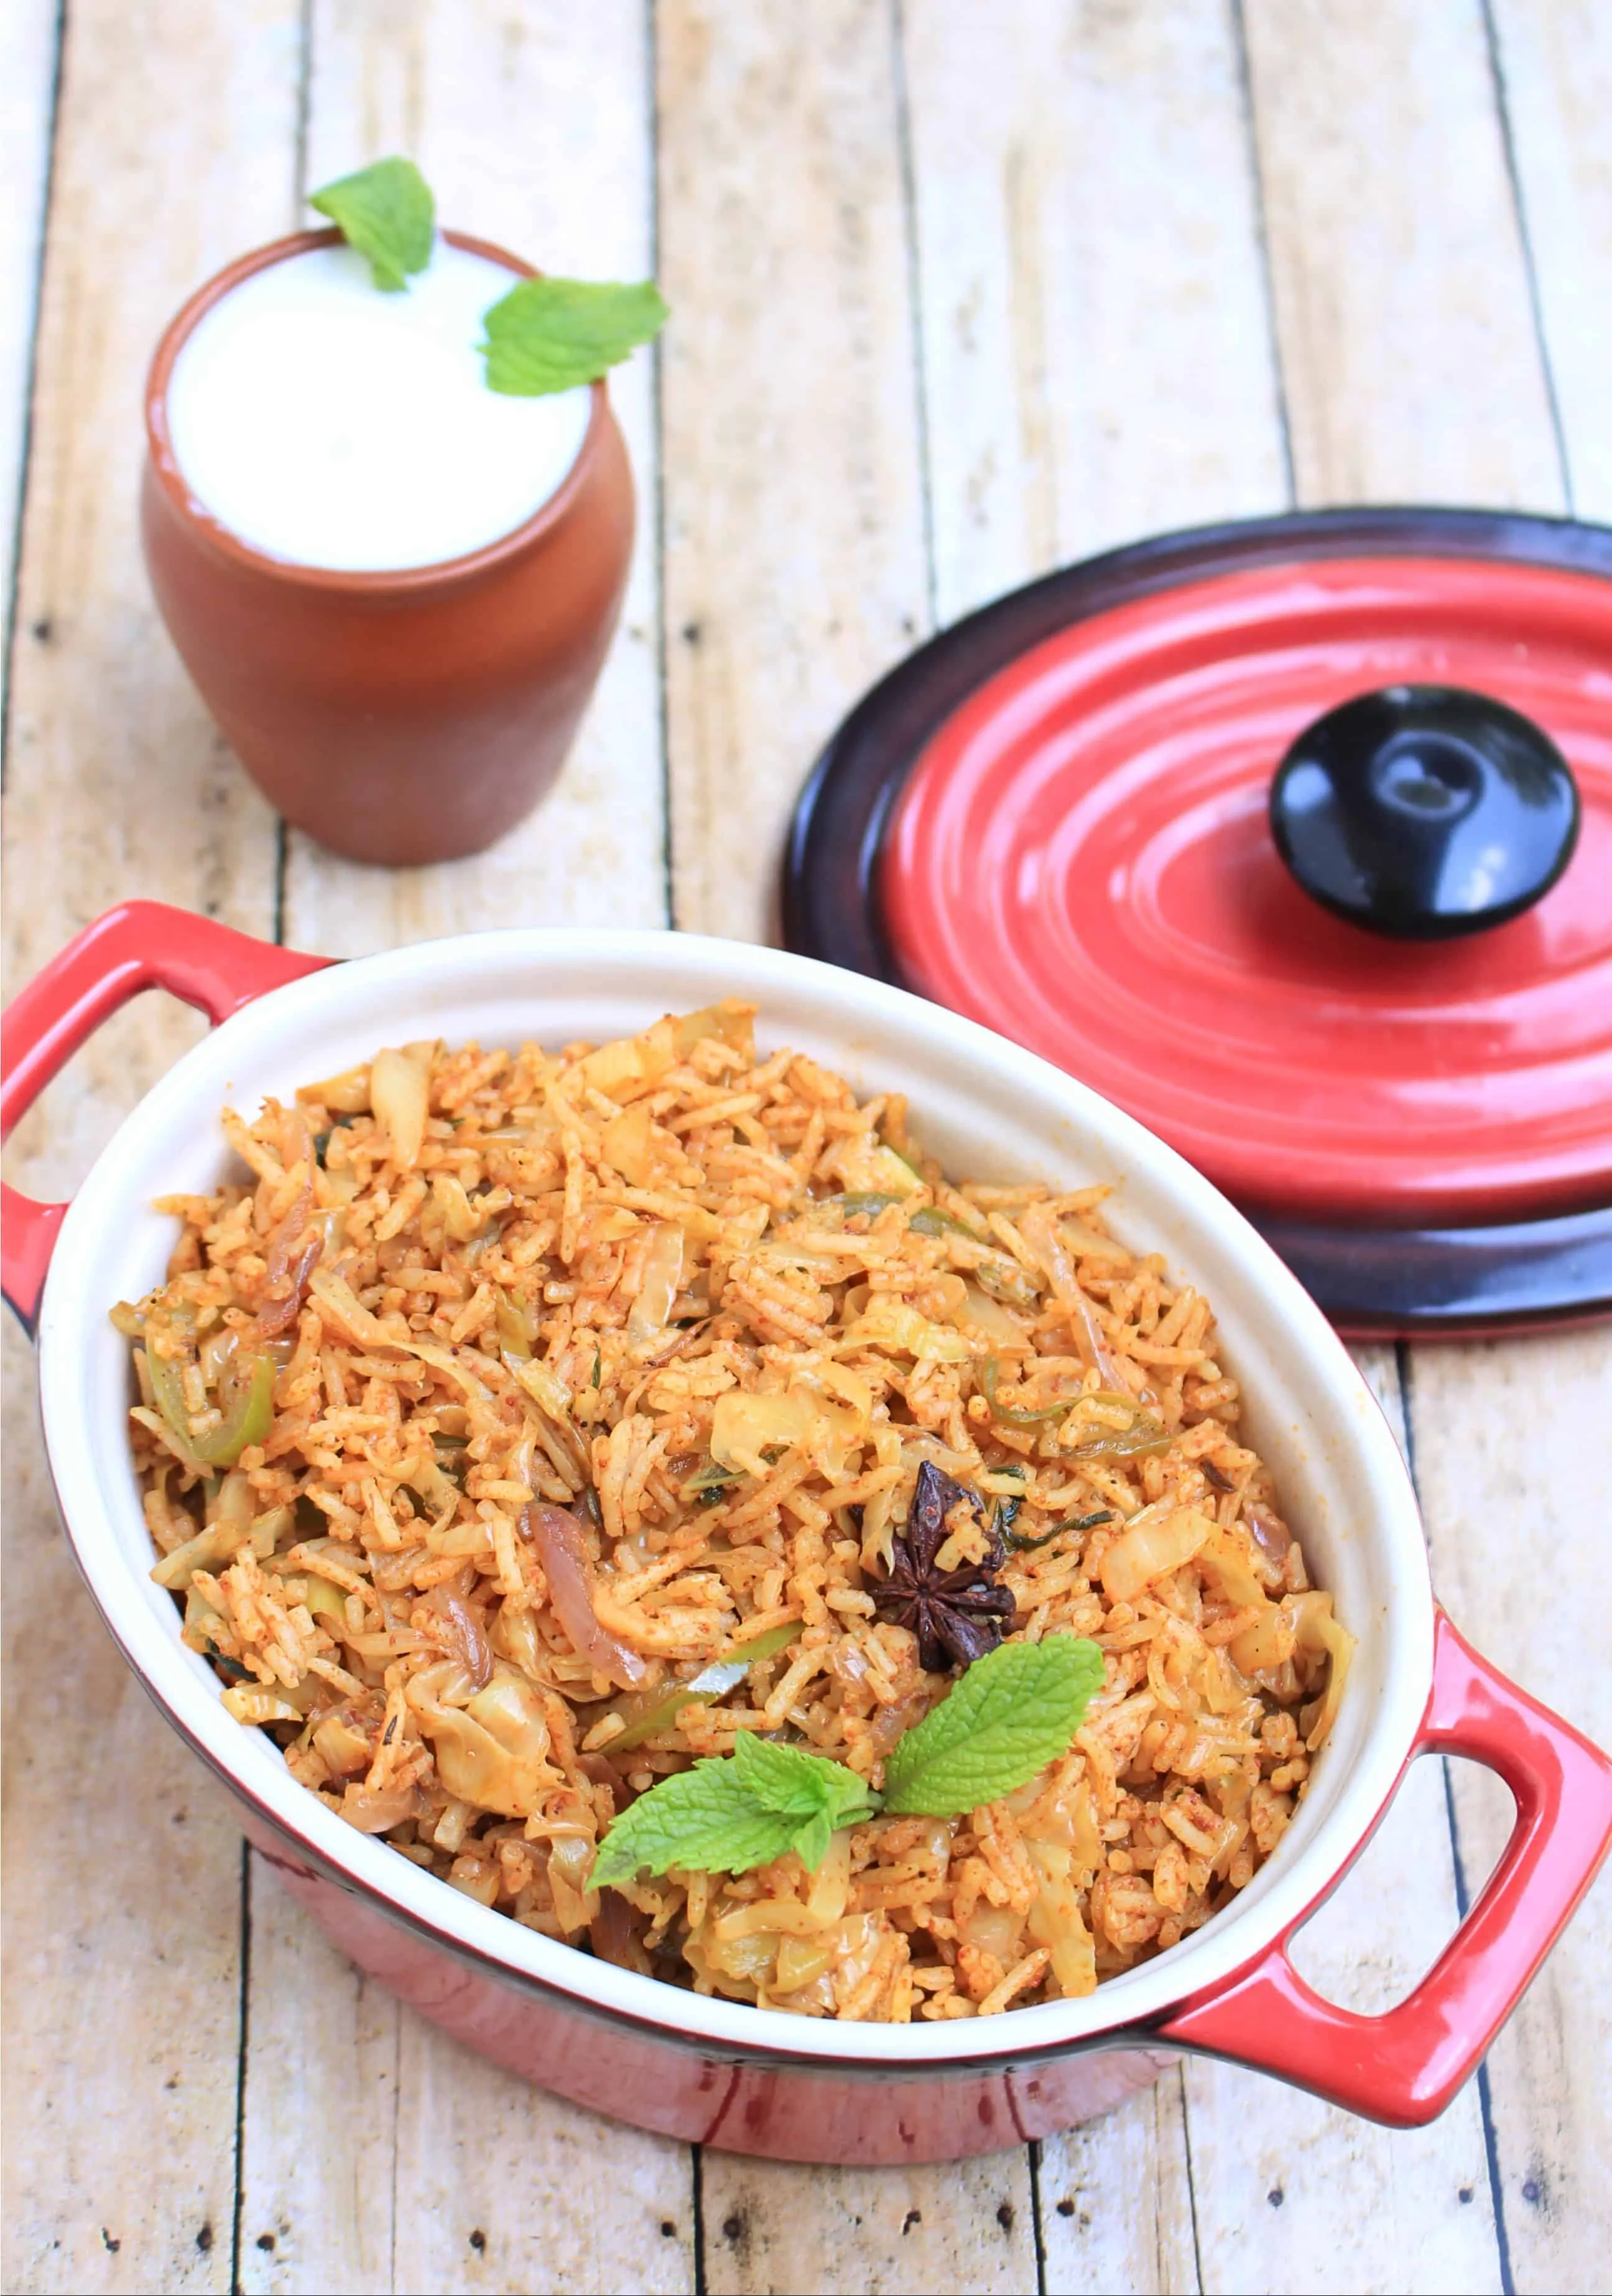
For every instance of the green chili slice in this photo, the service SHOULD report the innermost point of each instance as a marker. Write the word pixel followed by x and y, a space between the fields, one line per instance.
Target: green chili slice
pixel 724 1674
pixel 1145 1434
pixel 247 1414
pixel 1005 1415
pixel 1023 1546
pixel 930 1220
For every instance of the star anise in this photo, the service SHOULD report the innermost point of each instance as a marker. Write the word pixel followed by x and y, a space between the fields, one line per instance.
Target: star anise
pixel 957 1615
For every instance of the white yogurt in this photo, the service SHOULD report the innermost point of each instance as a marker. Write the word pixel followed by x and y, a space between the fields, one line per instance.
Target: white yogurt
pixel 328 424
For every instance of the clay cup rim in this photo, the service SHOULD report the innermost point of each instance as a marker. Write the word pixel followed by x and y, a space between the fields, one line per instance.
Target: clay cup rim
pixel 399 582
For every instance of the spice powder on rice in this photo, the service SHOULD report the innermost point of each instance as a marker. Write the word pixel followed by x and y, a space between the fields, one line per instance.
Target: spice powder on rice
pixel 528 1425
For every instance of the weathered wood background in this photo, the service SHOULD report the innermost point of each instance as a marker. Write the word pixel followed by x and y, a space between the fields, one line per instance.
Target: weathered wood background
pixel 959 292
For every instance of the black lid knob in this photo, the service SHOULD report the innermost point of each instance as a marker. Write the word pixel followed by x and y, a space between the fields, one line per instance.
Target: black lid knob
pixel 1424 811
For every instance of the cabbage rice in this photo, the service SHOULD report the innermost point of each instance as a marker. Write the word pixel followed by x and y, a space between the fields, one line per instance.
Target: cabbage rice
pixel 521 1426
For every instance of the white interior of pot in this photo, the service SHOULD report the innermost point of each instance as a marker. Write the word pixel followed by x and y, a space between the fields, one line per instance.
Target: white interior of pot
pixel 989 1111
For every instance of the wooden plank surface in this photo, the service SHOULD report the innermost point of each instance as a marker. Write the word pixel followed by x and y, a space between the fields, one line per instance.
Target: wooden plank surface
pixel 1085 383
pixel 1413 370
pixel 1400 293
pixel 954 299
pixel 29 39
pixel 793 523
pixel 1554 70
pixel 535 131
pixel 535 128
pixel 795 572
pixel 123 1868
pixel 1512 1462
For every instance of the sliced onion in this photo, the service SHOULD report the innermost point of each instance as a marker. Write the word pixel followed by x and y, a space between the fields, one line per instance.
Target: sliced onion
pixel 467 1642
pixel 611 1932
pixel 1268 1531
pixel 277 1315
pixel 1040 1232
pixel 557 1538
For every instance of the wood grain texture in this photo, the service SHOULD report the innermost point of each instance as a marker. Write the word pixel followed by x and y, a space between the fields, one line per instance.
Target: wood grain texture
pixel 1514 1468
pixel 1097 355
pixel 868 2232
pixel 1413 367
pixel 122 1873
pixel 794 542
pixel 1117 2200
pixel 28 39
pixel 1082 384
pixel 1287 2192
pixel 1398 269
pixel 1039 228
pixel 794 574
pixel 1290 2193
pixel 1555 66
pixel 533 127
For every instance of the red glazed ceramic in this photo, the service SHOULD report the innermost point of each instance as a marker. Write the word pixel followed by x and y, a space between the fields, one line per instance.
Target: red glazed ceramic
pixel 1083 855
pixel 717 2071
pixel 405 716
pixel 1055 817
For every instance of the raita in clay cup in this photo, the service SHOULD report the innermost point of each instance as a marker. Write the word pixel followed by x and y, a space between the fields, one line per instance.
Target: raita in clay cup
pixel 394 588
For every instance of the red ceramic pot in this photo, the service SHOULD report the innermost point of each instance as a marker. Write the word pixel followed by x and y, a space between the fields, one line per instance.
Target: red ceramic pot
pixel 405 716
pixel 718 2071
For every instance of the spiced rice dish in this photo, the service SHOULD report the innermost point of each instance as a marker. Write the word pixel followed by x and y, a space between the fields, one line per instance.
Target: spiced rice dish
pixel 639 1484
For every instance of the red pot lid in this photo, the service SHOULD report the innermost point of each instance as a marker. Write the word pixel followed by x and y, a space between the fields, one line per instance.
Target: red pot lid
pixel 1081 858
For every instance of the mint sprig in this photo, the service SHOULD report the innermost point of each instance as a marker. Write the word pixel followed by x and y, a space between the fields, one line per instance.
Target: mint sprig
pixel 551 334
pixel 1011 1714
pixel 729 1815
pixel 388 214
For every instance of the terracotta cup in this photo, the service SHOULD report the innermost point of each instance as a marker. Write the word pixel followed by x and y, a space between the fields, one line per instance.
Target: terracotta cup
pixel 403 717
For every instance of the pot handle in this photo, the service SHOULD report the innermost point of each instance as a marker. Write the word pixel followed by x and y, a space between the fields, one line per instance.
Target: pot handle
pixel 138 945
pixel 1403 2068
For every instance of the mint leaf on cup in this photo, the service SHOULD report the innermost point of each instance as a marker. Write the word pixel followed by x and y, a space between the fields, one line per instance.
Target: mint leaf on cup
pixel 1006 1719
pixel 731 1814
pixel 551 334
pixel 386 213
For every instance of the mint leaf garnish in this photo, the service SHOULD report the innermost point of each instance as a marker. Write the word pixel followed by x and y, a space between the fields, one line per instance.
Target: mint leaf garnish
pixel 702 1819
pixel 796 1785
pixel 1008 1716
pixel 550 335
pixel 729 1815
pixel 387 212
